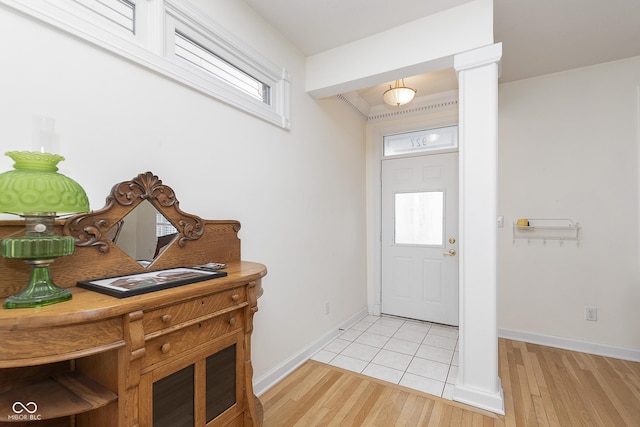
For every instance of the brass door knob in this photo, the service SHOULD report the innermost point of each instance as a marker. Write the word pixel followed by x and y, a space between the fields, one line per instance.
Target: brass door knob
pixel 452 252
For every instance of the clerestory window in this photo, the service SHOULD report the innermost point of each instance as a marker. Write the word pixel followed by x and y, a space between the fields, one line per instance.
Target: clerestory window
pixel 117 12
pixel 176 39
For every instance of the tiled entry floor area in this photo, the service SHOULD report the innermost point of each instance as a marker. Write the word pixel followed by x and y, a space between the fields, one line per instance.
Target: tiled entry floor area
pixel 418 355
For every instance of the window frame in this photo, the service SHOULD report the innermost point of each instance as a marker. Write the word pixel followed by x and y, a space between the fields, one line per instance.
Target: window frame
pixel 94 6
pixel 150 47
pixel 183 17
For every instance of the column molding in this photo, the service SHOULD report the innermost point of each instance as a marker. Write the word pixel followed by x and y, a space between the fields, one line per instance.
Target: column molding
pixel 478 383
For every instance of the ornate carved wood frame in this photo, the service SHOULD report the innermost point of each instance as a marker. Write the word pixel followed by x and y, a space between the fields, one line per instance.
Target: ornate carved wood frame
pixel 91 229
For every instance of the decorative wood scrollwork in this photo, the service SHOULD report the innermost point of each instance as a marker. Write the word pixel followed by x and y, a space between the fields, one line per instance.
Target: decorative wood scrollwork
pixel 144 186
pixel 92 229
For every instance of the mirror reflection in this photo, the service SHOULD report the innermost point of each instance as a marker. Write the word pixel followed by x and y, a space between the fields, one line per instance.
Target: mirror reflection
pixel 143 233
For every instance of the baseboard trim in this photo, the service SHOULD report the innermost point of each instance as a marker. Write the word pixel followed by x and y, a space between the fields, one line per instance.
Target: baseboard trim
pixel 275 375
pixel 572 344
pixel 493 402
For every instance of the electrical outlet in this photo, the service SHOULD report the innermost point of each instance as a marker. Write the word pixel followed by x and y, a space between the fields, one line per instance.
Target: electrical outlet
pixel 327 307
pixel 591 313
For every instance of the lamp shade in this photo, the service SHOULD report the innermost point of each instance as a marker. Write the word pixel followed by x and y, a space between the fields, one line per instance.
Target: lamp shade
pixel 35 186
pixel 399 94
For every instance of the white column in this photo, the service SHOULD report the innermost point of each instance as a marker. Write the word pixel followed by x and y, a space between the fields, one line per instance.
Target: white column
pixel 478 382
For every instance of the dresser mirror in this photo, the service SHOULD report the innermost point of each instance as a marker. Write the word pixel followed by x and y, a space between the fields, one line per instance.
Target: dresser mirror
pixel 141 218
pixel 143 233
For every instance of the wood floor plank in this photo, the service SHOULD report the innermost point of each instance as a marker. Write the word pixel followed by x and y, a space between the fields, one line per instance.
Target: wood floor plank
pixel 537 371
pixel 455 417
pixel 542 386
pixel 631 372
pixel 321 403
pixel 467 419
pixel 346 387
pixel 286 387
pixel 519 404
pixel 530 371
pixel 341 409
pixel 583 402
pixel 617 395
pixel 549 408
pixel 415 411
pixel 362 405
pixel 528 411
pixel 408 411
pixel 601 408
pixel 553 378
pixel 505 376
pixel 539 411
pixel 390 418
pixel 381 408
pixel 441 415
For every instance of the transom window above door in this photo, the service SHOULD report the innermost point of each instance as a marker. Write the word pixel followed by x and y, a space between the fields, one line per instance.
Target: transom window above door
pixel 420 141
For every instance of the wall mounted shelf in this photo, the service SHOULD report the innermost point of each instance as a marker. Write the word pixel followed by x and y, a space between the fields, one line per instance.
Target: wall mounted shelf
pixel 560 229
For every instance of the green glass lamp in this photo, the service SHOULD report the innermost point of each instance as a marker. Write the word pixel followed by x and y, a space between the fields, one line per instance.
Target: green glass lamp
pixel 37 192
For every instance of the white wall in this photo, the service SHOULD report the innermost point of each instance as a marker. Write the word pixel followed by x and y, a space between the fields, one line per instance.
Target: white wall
pixel 568 148
pixel 299 194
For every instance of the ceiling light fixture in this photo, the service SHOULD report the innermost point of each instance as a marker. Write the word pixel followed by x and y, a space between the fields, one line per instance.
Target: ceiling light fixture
pixel 399 95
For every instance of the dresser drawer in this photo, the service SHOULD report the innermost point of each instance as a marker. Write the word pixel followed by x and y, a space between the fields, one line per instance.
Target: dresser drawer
pixel 174 343
pixel 172 315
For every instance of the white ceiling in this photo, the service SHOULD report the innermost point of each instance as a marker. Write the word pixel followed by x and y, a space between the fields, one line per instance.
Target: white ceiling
pixel 538 36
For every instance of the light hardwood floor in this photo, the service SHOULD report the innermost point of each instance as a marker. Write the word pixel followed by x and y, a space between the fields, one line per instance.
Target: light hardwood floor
pixel 543 386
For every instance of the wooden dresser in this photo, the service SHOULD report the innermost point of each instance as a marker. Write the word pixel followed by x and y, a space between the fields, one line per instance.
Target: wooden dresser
pixel 173 357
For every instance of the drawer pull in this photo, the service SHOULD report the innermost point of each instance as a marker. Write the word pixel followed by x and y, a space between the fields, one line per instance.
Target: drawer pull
pixel 165 347
pixel 166 318
pixel 235 297
pixel 232 321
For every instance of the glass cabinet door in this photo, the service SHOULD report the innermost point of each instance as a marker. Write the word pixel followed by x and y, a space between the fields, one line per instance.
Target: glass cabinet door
pixel 178 398
pixel 173 399
pixel 221 382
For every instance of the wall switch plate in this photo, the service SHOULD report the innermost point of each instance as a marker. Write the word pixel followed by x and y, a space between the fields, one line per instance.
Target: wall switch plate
pixel 591 314
pixel 327 307
pixel 500 221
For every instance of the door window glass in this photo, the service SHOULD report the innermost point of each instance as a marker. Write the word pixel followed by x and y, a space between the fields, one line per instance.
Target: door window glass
pixel 419 218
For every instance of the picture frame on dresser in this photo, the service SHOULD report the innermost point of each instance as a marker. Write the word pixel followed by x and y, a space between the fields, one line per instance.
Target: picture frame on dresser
pixel 142 283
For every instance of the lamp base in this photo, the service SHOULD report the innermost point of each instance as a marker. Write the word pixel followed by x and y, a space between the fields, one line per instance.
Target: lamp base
pixel 40 291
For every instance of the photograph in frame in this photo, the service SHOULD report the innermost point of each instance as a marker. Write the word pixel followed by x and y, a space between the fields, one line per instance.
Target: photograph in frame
pixel 142 283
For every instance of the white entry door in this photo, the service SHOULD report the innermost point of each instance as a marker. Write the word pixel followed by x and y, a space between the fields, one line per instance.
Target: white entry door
pixel 419 237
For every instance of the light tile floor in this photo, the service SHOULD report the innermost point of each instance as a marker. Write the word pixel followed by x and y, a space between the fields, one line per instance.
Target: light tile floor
pixel 418 355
